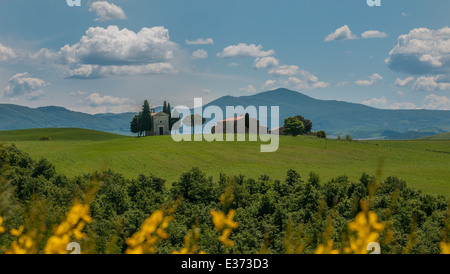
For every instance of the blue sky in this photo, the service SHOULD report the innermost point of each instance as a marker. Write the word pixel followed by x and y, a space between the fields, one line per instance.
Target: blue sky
pixel 108 56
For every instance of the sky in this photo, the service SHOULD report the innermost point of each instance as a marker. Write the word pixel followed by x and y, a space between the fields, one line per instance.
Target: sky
pixel 109 56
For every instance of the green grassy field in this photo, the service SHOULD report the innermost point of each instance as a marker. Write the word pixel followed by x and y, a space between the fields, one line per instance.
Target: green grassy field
pixel 423 164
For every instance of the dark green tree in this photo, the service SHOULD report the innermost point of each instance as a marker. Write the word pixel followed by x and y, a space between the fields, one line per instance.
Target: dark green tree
pixel 293 126
pixel 321 134
pixel 134 125
pixel 307 124
pixel 165 107
pixel 146 118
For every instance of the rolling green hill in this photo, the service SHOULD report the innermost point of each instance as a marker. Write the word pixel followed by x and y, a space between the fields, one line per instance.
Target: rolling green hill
pixel 57 134
pixel 423 164
pixel 442 136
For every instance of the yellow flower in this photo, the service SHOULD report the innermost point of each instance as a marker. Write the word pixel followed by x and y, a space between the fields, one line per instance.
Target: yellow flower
pixel 76 218
pixel 225 224
pixel 367 228
pixel 326 248
pixel 152 230
pixel 445 248
pixel 17 232
pixel 2 229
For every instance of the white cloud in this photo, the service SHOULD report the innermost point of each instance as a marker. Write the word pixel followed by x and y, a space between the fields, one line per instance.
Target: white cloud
pixel 200 41
pixel 234 64
pixel 342 84
pixel 403 105
pixel 433 101
pixel 373 34
pixel 96 71
pixel 403 82
pixel 206 91
pixel 23 84
pixel 200 54
pixel 342 33
pixel 96 103
pixel 6 53
pixel 422 51
pixel 249 89
pixel 373 79
pixel 304 83
pixel 284 70
pixel 244 50
pixel 112 46
pixel 111 51
pixel 269 84
pixel 376 102
pixel 431 83
pixel 265 62
pixel 383 103
pixel 400 93
pixel 78 93
pixel 107 11
pixel 95 99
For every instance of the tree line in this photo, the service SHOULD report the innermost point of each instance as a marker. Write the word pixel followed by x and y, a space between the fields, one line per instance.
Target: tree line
pixel 271 212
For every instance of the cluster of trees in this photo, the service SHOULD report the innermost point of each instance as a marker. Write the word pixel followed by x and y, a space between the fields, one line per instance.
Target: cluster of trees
pixel 298 125
pixel 267 209
pixel 143 122
pixel 347 137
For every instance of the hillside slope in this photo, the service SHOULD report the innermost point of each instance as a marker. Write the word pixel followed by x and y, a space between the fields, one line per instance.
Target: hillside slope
pixel 336 117
pixel 423 164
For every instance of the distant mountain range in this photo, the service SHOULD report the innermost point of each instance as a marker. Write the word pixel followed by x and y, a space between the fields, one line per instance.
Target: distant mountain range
pixel 335 117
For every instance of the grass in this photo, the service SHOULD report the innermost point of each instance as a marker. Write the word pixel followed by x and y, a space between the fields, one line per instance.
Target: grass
pixel 442 136
pixel 423 164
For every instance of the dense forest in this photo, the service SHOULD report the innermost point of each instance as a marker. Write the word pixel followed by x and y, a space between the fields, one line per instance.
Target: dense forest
pixel 274 215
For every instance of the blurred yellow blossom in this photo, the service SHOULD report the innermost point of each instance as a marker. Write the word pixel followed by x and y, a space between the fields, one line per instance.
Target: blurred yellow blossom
pixel 2 229
pixel 367 228
pixel 77 217
pixel 225 224
pixel 152 230
pixel 190 243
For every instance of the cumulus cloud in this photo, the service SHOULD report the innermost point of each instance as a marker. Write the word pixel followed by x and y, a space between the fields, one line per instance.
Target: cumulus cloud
pixel 305 81
pixel 234 64
pixel 95 103
pixel 244 50
pixel 432 83
pixel 436 102
pixel 95 100
pixel 200 54
pixel 376 102
pixel 373 34
pixel 6 53
pixel 249 89
pixel 342 33
pixel 284 70
pixel 373 79
pixel 403 82
pixel 403 105
pixel 78 93
pixel 269 84
pixel 422 51
pixel 96 71
pixel 22 84
pixel 265 62
pixel 111 51
pixel 342 84
pixel 200 41
pixel 107 11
